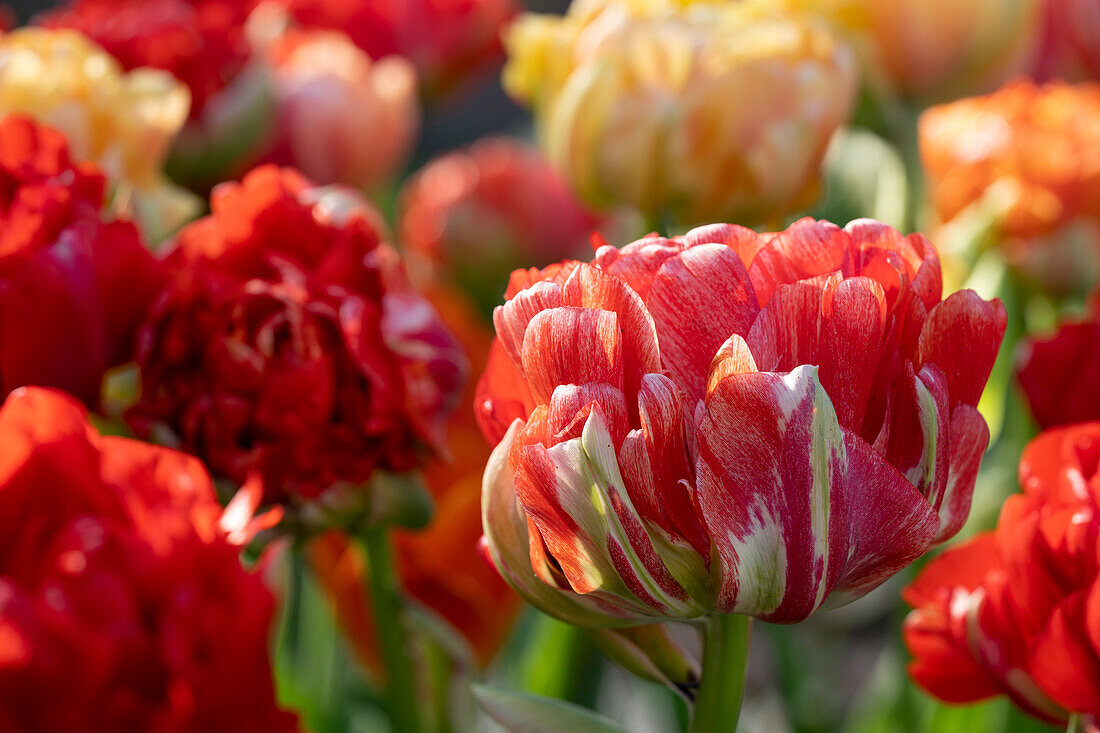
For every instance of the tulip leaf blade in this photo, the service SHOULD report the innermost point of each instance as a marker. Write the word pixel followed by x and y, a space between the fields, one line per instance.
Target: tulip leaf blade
pixel 521 712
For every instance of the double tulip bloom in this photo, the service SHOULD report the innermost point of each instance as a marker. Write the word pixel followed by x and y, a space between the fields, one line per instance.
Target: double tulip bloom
pixel 1014 610
pixel 731 422
pixel 74 284
pixel 122 605
pixel 701 110
pixel 289 346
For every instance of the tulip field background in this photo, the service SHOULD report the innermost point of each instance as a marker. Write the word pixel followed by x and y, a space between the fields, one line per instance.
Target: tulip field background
pixel 887 140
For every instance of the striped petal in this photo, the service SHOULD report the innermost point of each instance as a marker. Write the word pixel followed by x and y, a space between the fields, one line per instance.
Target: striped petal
pixel 507 538
pixel 796 505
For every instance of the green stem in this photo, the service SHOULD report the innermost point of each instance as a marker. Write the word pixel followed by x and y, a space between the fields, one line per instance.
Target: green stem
pixel 401 695
pixel 725 654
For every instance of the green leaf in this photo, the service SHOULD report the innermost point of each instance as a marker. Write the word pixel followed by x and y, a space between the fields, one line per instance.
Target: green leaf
pixel 521 712
pixel 864 177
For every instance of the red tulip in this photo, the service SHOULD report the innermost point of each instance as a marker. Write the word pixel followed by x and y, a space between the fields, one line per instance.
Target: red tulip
pixel 122 606
pixel 73 286
pixel 289 346
pixel 1060 374
pixel 1013 610
pixel 802 403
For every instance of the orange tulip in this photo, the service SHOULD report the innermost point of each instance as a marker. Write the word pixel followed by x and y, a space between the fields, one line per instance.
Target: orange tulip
pixel 1029 156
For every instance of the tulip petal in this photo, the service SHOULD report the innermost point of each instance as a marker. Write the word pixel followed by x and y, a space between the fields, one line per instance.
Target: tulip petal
pixel 506 533
pixel 853 321
pixel 807 249
pixel 969 439
pixel 795 504
pixel 964 318
pixel 590 287
pixel 511 319
pixel 572 346
pixel 697 300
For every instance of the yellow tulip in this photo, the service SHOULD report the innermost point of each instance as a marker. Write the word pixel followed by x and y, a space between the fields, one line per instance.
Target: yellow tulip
pixel 702 110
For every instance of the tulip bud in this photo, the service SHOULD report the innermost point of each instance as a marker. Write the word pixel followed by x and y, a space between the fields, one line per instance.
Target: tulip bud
pixel 731 422
pixel 650 652
pixel 700 110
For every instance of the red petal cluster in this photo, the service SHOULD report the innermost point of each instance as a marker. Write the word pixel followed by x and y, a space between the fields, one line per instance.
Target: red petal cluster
pixel 447 40
pixel 1060 374
pixel 73 287
pixel 289 345
pixel 201 42
pixel 479 213
pixel 706 356
pixel 121 605
pixel 1016 610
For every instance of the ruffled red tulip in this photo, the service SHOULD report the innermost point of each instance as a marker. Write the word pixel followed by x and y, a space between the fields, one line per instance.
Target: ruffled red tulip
pixel 289 346
pixel 73 286
pixel 448 40
pixel 473 216
pixel 1014 611
pixel 122 606
pixel 730 421
pixel 1060 374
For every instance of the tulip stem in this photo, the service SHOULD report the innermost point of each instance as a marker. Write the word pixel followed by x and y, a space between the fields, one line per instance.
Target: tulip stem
pixel 401 698
pixel 725 655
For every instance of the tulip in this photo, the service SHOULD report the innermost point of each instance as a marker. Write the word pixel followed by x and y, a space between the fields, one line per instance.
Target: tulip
pixel 1026 157
pixel 124 122
pixel 1011 611
pixel 474 215
pixel 342 118
pixel 937 49
pixel 289 347
pixel 122 603
pixel 450 42
pixel 697 110
pixel 74 284
pixel 731 422
pixel 1058 373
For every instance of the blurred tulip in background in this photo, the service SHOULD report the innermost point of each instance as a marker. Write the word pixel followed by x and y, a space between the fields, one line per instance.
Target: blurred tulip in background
pixel 700 111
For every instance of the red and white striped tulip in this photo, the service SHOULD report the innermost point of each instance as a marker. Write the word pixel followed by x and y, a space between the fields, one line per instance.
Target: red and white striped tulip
pixel 731 422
